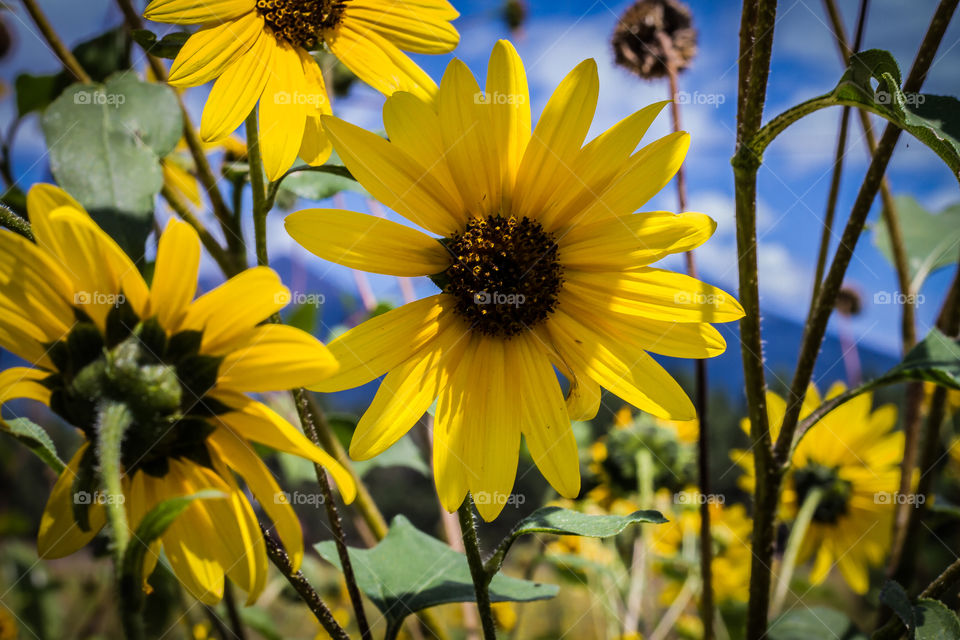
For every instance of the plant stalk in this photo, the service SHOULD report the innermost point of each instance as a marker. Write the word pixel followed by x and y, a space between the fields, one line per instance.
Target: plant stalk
pixel 66 56
pixel 481 579
pixel 10 220
pixel 797 533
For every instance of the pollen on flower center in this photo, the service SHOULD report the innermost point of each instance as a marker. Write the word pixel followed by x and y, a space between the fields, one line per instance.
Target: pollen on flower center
pixel 834 500
pixel 505 274
pixel 301 22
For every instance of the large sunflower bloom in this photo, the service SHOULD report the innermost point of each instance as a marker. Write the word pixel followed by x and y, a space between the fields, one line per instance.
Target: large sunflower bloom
pixel 541 262
pixel 258 51
pixel 852 456
pixel 76 309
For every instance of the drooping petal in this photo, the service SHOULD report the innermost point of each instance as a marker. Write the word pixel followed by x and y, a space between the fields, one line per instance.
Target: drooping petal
pixel 237 90
pixel 35 293
pixel 60 535
pixel 23 382
pixel 407 392
pixel 255 421
pixel 293 358
pixel 208 52
pixel 382 343
pixel 367 243
pixel 283 111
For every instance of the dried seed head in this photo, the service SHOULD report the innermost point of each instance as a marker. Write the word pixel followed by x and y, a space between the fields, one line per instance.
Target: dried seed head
pixel 849 301
pixel 654 34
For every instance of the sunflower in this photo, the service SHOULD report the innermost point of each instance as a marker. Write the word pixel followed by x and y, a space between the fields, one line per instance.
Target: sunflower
pixel 541 264
pixel 259 50
pixel 852 456
pixel 74 306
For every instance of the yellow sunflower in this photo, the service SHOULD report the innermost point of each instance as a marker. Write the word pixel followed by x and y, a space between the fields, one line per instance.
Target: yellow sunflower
pixel 541 263
pixel 258 50
pixel 74 306
pixel 852 455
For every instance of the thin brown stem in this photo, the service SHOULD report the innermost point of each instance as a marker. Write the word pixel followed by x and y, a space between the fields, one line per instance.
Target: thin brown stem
pixel 66 57
pixel 756 43
pixel 333 515
pixel 278 556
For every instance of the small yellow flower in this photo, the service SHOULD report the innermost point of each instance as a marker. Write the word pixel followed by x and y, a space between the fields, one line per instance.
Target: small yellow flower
pixel 257 50
pixel 76 308
pixel 541 262
pixel 852 455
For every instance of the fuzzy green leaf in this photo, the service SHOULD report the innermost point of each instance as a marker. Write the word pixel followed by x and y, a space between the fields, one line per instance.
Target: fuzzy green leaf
pixel 36 439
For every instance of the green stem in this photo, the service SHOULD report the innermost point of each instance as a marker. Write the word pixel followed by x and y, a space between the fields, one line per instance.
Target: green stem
pixel 258 186
pixel 113 420
pixel 481 580
pixel 15 223
pixel 797 533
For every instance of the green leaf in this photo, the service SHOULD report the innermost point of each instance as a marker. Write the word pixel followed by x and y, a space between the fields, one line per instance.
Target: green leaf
pixel 104 55
pixel 403 453
pixel 35 93
pixel 929 239
pixel 936 359
pixel 934 120
pixel 409 571
pixel 166 47
pixel 895 596
pixel 812 622
pixel 935 621
pixel 153 525
pixel 105 144
pixel 36 439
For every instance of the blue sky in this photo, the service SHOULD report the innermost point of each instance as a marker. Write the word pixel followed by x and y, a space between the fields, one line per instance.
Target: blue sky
pixel 560 33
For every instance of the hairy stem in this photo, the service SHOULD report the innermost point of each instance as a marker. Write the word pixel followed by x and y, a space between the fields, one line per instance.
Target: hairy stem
pixel 258 186
pixel 12 221
pixel 481 580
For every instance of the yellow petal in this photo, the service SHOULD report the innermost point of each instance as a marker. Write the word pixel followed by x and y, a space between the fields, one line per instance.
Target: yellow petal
pixel 316 146
pixel 60 535
pixel 509 98
pixel 406 393
pixel 283 111
pixel 293 358
pixel 255 421
pixel 181 181
pixel 175 274
pixel 393 178
pixel 237 90
pixel 208 52
pixel 378 62
pixel 234 308
pixel 466 126
pixel 240 456
pixel 23 382
pixel 636 240
pixel 655 294
pixel 42 200
pixel 382 343
pixel 451 435
pixel 413 126
pixel 367 243
pixel 626 371
pixel 546 426
pixel 648 171
pixel 557 139
pixel 35 293
pixel 192 12
pixel 408 26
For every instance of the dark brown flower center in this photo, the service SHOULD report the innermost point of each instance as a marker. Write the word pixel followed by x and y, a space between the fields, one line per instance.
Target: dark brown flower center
pixel 301 22
pixel 505 274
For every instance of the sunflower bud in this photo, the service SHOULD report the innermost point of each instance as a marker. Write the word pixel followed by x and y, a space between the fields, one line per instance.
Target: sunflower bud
pixel 654 35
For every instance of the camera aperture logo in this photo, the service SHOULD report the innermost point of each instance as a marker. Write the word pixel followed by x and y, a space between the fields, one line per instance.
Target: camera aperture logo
pixel 497 298
pixel 99 98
